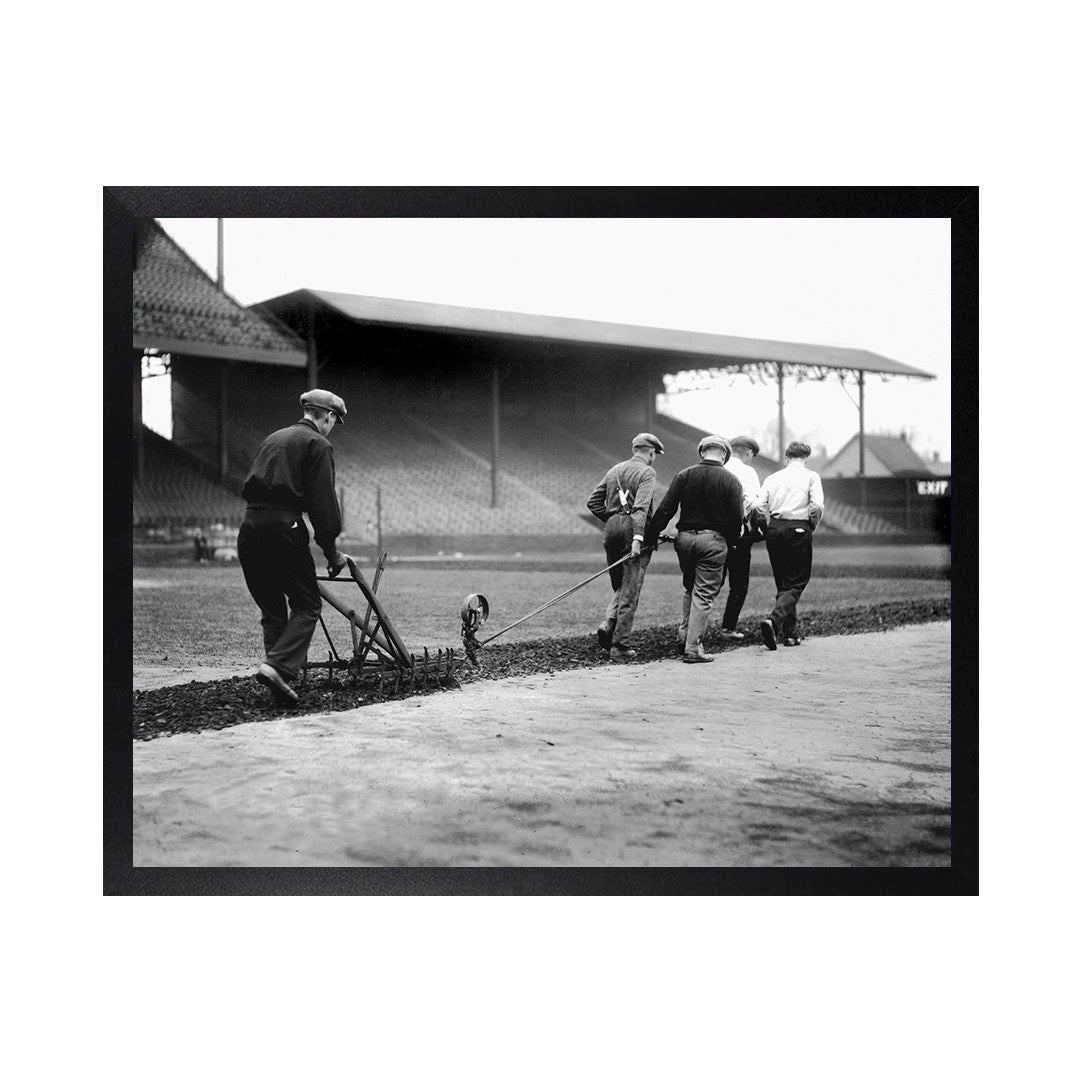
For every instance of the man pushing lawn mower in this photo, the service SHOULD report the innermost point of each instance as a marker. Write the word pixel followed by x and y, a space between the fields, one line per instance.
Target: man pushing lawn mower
pixel 293 473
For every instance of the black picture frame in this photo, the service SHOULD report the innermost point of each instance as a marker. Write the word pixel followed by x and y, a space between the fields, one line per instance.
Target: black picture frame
pixel 123 205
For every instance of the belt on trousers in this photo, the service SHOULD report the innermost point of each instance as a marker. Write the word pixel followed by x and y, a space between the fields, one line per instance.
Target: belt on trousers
pixel 694 532
pixel 271 515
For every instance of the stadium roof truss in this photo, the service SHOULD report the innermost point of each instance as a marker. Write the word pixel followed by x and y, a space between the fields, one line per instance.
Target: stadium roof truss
pixel 705 355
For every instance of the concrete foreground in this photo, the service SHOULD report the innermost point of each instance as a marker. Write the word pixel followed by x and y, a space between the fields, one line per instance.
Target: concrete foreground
pixel 833 754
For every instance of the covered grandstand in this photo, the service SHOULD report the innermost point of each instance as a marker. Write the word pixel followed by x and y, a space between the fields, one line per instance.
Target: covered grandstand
pixel 466 426
pixel 210 344
pixel 515 417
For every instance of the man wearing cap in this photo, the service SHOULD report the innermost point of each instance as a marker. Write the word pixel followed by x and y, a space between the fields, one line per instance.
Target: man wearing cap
pixel 623 501
pixel 293 473
pixel 709 499
pixel 743 451
pixel 793 501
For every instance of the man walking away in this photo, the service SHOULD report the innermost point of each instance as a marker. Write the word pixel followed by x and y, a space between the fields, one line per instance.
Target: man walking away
pixel 710 519
pixel 743 451
pixel 793 501
pixel 293 473
pixel 623 500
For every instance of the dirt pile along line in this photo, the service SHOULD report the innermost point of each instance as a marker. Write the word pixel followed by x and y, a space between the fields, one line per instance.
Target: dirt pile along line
pixel 202 706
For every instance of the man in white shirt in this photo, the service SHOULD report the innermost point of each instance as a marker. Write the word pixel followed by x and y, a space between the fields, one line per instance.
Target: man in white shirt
pixel 793 501
pixel 743 451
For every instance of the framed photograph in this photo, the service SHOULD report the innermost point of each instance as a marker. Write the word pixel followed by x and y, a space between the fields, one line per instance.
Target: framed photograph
pixel 540 540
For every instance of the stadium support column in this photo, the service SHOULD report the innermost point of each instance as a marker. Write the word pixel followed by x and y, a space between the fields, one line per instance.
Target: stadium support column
pixel 136 409
pixel 494 432
pixel 650 401
pixel 223 422
pixel 862 439
pixel 312 349
pixel 862 424
pixel 780 414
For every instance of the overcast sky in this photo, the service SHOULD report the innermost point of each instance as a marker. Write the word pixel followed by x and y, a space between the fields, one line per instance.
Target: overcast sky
pixel 877 284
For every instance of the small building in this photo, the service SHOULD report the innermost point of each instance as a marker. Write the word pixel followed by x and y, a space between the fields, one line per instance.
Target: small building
pixel 885 455
pixel 937 466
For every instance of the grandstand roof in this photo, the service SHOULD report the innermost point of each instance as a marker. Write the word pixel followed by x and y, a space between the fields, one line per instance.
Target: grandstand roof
pixel 179 308
pixel 700 349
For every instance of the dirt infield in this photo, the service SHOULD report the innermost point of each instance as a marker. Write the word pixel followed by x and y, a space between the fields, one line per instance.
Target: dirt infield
pixel 833 754
pixel 201 623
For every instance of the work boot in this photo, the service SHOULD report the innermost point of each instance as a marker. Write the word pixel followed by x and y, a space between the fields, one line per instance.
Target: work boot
pixel 603 635
pixel 768 634
pixel 792 641
pixel 731 635
pixel 271 678
pixel 697 658
pixel 622 652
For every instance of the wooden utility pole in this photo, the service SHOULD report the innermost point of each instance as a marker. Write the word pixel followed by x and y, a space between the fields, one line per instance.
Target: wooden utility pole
pixel 494 433
pixel 221 254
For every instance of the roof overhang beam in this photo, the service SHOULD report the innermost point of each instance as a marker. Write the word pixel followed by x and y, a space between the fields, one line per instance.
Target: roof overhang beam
pixel 213 351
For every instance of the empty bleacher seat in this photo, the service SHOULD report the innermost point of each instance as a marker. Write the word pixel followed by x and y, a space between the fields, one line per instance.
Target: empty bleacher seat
pixel 173 494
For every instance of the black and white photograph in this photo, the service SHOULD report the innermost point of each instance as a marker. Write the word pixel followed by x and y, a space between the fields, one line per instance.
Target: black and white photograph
pixel 528 531
pixel 557 463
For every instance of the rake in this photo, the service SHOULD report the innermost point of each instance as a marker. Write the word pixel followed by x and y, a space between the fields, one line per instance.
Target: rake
pixel 380 657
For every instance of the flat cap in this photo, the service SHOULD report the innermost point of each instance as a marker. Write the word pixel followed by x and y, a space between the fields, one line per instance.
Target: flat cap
pixel 323 399
pixel 747 441
pixel 646 439
pixel 797 449
pixel 714 441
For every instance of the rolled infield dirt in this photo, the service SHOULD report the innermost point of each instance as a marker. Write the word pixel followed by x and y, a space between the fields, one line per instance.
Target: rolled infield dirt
pixel 836 753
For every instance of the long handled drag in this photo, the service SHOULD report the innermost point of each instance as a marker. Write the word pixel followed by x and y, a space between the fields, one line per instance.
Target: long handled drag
pixel 474 611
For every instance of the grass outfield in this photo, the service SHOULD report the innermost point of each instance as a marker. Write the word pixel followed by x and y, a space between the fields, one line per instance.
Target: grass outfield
pixel 202 615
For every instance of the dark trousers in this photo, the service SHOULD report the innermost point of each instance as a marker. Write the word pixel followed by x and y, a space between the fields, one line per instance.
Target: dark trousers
pixel 791 553
pixel 738 575
pixel 278 567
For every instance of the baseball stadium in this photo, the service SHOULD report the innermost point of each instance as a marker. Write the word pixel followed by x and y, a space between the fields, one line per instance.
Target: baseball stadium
pixel 456 709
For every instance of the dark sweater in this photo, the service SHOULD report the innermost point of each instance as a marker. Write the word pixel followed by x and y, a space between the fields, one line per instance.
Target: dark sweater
pixel 293 472
pixel 710 498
